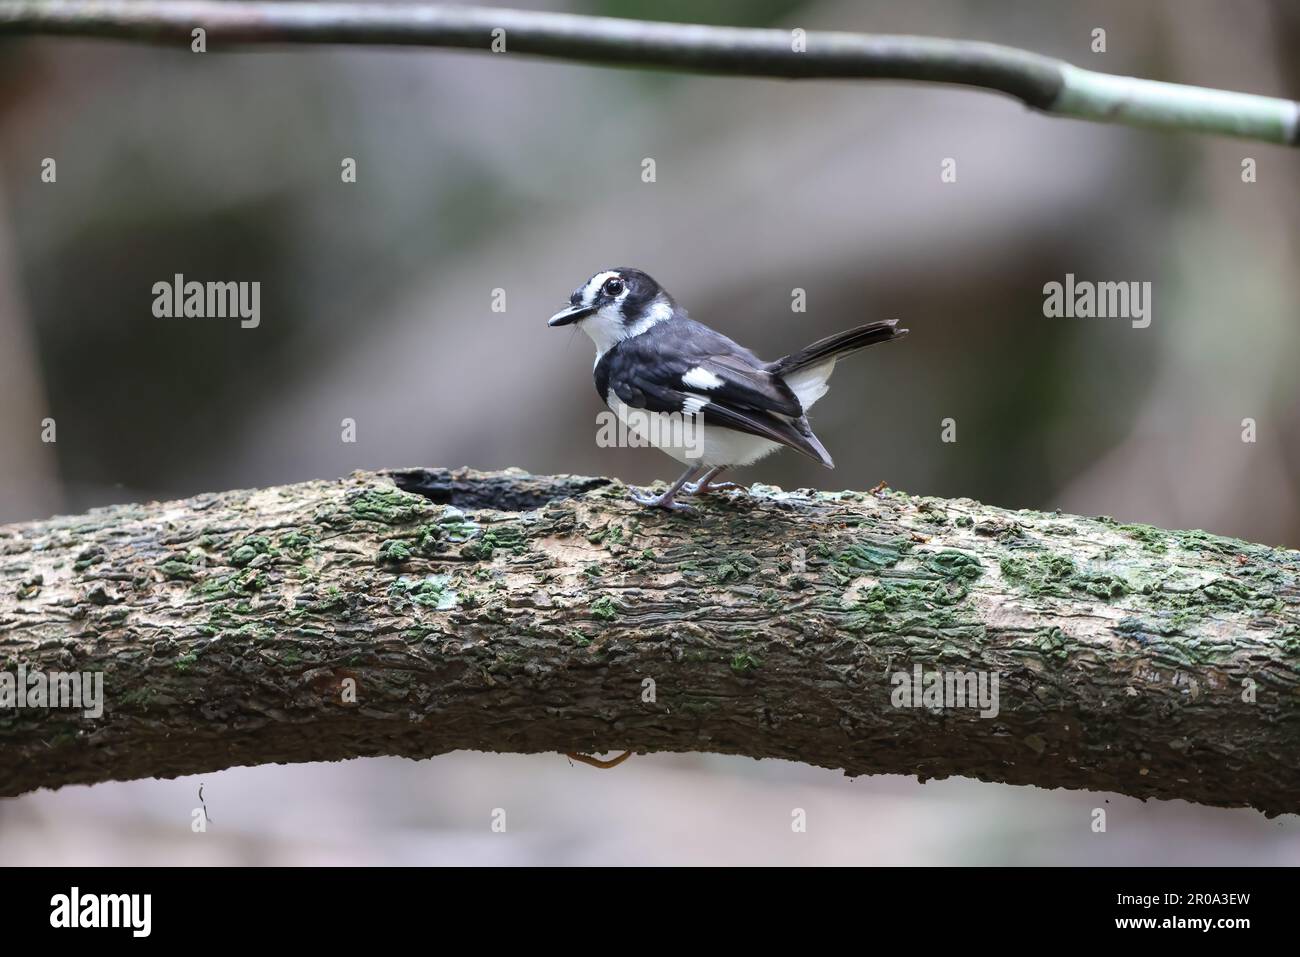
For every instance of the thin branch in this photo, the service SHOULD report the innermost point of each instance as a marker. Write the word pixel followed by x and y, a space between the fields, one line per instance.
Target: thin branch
pixel 1043 83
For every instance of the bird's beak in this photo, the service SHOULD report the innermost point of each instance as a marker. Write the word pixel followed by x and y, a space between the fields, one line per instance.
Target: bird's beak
pixel 570 314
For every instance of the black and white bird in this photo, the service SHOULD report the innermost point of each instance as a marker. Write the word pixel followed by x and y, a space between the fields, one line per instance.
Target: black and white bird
pixel 651 356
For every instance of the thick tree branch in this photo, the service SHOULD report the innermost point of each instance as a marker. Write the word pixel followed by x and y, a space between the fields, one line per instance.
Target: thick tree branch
pixel 1050 85
pixel 515 613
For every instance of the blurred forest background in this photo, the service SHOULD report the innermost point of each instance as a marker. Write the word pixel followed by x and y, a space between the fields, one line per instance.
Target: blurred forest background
pixel 478 171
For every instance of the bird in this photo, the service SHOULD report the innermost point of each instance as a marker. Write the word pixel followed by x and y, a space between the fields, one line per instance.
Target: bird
pixel 654 362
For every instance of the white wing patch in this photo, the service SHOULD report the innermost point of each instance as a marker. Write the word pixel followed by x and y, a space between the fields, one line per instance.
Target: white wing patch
pixel 700 378
pixel 693 404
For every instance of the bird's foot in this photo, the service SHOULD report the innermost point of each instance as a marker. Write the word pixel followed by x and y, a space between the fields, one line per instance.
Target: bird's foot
pixel 664 501
pixel 596 762
pixel 704 488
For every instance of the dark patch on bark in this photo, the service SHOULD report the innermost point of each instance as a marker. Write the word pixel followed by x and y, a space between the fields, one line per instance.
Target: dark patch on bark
pixel 504 492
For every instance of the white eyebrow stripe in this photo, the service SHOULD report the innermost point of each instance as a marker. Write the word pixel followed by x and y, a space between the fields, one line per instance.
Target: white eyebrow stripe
pixel 701 378
pixel 593 286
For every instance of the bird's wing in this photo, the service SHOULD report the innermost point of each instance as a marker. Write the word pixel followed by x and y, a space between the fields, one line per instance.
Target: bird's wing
pixel 744 385
pixel 728 390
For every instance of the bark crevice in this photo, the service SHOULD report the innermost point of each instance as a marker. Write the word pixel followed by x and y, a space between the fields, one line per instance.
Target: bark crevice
pixel 509 491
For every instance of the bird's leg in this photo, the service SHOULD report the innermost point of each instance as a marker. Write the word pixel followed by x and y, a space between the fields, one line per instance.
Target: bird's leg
pixel 596 762
pixel 666 500
pixel 706 483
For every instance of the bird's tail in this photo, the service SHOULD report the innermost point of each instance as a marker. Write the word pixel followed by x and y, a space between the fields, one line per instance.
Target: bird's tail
pixel 837 346
pixel 807 370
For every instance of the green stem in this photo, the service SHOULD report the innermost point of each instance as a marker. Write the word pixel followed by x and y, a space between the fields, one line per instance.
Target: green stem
pixel 1171 106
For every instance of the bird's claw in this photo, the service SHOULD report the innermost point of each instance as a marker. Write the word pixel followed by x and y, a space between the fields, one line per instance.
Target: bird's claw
pixel 704 488
pixel 659 501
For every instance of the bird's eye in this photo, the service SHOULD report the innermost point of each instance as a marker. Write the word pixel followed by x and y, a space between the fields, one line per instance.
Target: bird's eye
pixel 613 287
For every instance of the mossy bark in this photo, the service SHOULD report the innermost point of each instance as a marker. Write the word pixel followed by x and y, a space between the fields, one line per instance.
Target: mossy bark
pixel 418 612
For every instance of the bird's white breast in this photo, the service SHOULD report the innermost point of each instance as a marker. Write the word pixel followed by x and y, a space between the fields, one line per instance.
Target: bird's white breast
pixel 711 445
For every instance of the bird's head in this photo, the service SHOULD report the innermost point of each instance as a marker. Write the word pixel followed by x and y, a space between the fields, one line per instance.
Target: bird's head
pixel 615 304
